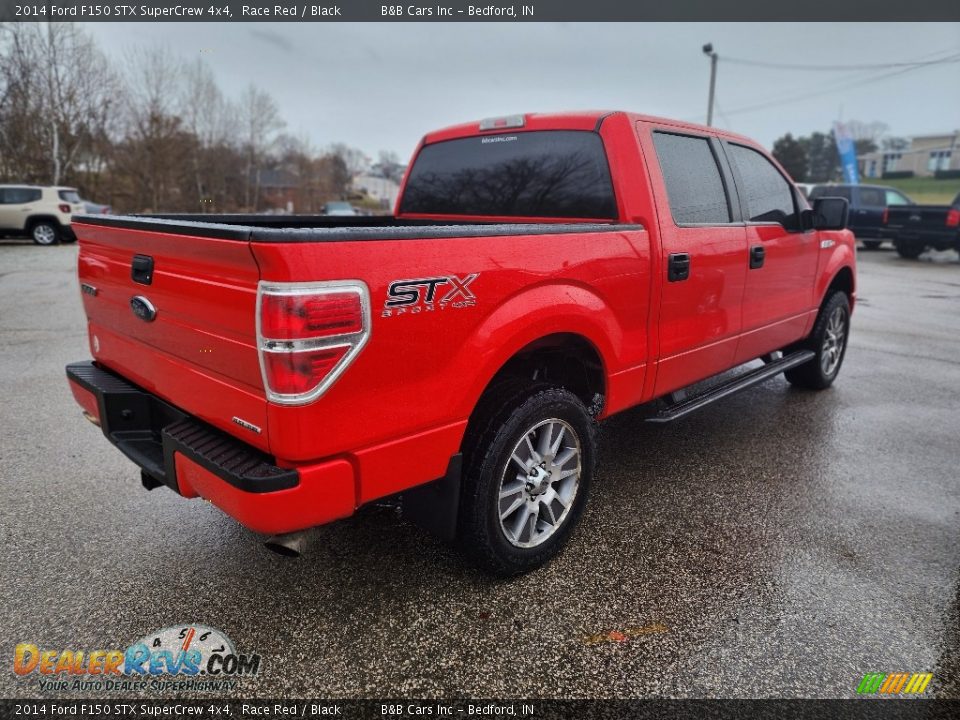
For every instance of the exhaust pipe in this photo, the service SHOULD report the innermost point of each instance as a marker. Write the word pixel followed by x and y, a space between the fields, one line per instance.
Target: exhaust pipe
pixel 290 545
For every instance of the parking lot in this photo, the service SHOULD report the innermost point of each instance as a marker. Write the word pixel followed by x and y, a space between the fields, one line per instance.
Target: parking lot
pixel 781 543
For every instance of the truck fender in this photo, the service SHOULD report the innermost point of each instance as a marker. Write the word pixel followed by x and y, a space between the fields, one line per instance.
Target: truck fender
pixel 535 313
pixel 841 256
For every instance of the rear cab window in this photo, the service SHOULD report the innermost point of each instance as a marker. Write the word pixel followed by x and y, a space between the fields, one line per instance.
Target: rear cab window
pixel 532 174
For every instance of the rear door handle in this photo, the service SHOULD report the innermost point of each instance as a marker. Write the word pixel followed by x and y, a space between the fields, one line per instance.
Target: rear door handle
pixel 757 253
pixel 678 267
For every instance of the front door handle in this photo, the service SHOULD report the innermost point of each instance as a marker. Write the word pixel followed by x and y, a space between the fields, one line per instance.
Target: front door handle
pixel 678 267
pixel 757 254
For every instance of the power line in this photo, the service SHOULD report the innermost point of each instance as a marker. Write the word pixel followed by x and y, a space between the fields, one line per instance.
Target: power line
pixel 844 85
pixel 833 68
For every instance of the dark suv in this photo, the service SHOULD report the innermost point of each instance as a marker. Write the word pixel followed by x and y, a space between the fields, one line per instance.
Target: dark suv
pixel 868 204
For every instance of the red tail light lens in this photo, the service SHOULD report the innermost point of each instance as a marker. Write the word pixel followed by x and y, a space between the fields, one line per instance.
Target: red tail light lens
pixel 953 218
pixel 292 317
pixel 886 215
pixel 308 334
pixel 296 373
pixel 64 208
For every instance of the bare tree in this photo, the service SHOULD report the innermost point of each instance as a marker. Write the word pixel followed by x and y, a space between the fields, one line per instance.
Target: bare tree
pixel 155 147
pixel 22 144
pixel 355 160
pixel 56 96
pixel 207 116
pixel 79 92
pixel 259 121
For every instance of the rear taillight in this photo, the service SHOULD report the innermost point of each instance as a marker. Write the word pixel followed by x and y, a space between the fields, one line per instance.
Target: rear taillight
pixel 307 335
pixel 64 208
pixel 886 215
pixel 953 218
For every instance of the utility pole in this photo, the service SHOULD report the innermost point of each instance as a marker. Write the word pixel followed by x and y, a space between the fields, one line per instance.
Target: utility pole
pixel 708 51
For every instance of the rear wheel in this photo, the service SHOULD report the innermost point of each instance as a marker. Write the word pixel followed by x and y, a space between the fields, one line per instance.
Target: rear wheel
pixel 829 343
pixel 908 250
pixel 526 480
pixel 872 244
pixel 45 233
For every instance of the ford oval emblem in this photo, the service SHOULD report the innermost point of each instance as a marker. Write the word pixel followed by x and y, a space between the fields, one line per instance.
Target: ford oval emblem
pixel 143 308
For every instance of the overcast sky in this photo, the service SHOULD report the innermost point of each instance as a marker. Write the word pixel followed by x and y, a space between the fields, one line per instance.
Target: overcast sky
pixel 382 85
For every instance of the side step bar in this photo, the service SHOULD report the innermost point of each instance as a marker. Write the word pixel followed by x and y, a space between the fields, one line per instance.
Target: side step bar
pixel 731 386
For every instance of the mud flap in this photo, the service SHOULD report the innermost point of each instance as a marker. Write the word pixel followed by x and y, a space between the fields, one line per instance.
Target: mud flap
pixel 434 506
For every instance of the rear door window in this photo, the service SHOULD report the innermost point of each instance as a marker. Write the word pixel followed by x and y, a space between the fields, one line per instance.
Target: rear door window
pixel 537 174
pixel 769 196
pixel 695 188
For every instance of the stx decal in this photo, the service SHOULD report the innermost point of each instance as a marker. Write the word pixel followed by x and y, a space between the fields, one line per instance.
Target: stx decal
pixel 420 295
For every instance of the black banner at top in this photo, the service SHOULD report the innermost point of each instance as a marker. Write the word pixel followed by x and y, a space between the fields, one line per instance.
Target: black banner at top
pixel 480 11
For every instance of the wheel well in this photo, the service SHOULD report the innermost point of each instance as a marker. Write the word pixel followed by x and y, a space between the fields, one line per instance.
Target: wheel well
pixel 842 281
pixel 35 219
pixel 563 359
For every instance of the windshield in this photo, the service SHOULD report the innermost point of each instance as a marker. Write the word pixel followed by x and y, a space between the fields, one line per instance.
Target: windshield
pixel 549 174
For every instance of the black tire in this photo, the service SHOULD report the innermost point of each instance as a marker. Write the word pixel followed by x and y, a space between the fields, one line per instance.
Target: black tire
pixel 820 372
pixel 909 250
pixel 872 244
pixel 512 413
pixel 45 232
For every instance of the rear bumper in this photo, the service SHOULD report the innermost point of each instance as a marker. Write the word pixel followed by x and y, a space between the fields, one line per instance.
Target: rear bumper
pixel 941 239
pixel 194 459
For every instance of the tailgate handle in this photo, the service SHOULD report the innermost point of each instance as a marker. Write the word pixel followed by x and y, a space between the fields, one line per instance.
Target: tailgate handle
pixel 141 269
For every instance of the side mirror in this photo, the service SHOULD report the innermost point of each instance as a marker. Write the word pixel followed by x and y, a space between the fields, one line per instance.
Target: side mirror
pixel 830 213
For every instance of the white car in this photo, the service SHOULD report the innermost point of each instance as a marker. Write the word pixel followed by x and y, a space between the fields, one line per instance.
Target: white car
pixel 42 213
pixel 340 208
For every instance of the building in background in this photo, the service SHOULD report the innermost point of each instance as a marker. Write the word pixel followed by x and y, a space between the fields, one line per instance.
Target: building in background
pixel 383 190
pixel 925 156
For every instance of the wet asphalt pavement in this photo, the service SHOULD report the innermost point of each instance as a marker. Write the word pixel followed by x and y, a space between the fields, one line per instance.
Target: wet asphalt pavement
pixel 780 543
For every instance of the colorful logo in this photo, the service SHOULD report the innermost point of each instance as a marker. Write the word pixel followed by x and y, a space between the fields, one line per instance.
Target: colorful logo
pixel 188 651
pixel 894 683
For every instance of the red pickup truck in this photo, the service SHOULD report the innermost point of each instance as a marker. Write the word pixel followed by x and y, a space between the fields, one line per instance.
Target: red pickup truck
pixel 541 273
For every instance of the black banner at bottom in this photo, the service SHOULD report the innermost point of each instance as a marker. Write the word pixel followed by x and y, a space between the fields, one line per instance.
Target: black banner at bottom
pixel 206 709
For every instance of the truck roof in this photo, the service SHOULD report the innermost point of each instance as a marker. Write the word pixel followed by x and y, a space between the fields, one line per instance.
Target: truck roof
pixel 36 187
pixel 578 120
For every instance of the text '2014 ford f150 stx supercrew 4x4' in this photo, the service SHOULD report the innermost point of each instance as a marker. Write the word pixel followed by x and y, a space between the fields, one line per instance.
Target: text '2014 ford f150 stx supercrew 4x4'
pixel 541 273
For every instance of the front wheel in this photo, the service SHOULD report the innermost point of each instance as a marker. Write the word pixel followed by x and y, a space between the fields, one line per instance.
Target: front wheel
pixel 526 481
pixel 872 244
pixel 829 343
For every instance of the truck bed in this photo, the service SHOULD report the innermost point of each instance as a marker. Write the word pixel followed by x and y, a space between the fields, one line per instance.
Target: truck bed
pixel 324 228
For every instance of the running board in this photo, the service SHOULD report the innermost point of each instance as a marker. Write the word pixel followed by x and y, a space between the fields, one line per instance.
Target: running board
pixel 731 386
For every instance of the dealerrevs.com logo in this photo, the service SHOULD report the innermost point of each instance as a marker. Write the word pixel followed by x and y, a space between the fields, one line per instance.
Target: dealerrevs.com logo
pixel 177 658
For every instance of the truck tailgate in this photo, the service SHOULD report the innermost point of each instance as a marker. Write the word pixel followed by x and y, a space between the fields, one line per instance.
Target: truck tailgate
pixel 184 328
